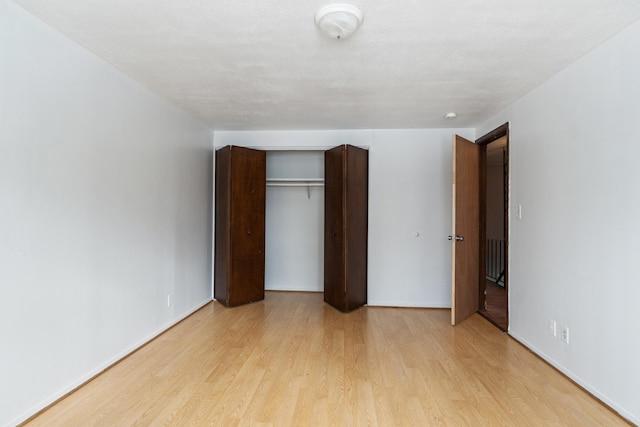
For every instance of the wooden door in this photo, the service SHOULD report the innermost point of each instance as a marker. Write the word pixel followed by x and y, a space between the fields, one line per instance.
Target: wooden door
pixel 240 225
pixel 356 215
pixel 248 195
pixel 466 230
pixel 346 227
pixel 335 284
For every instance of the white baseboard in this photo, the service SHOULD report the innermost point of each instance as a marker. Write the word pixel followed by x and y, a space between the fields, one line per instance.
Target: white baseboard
pixel 414 304
pixel 293 289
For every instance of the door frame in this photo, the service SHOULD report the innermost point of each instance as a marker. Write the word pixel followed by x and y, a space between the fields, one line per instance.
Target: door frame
pixel 483 141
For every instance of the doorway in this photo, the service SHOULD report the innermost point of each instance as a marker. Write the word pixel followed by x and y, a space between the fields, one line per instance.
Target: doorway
pixel 494 205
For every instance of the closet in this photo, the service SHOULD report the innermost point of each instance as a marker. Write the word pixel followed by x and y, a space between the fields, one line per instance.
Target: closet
pixel 337 243
pixel 239 225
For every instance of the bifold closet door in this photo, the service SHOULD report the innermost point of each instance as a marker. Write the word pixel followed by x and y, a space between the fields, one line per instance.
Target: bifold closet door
pixel 345 233
pixel 239 225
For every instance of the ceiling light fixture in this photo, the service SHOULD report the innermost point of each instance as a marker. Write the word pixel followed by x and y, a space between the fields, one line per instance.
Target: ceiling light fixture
pixel 338 21
pixel 450 116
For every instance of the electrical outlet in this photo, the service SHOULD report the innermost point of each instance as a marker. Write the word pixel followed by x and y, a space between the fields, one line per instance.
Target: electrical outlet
pixel 552 328
pixel 565 334
pixel 168 300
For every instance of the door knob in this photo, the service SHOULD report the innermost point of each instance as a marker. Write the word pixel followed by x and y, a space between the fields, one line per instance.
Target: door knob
pixel 458 238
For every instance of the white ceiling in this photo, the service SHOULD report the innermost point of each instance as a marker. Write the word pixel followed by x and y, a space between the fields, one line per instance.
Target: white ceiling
pixel 256 64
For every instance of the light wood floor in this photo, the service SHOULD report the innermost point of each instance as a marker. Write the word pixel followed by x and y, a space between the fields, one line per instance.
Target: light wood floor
pixel 293 360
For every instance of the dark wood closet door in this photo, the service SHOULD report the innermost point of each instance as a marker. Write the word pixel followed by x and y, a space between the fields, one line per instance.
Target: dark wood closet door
pixel 245 226
pixel 345 241
pixel 356 213
pixel 335 293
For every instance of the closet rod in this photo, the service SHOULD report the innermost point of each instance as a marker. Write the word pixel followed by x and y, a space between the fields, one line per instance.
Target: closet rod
pixel 295 184
pixel 295 179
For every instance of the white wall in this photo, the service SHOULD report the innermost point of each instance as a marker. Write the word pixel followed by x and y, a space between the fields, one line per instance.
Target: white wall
pixel 104 211
pixel 409 193
pixel 575 257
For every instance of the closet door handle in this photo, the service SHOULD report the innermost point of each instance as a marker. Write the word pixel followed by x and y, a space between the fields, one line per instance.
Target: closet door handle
pixel 248 231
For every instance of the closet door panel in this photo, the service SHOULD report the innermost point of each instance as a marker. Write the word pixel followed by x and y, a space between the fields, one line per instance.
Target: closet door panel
pixel 247 225
pixel 239 225
pixel 334 248
pixel 356 214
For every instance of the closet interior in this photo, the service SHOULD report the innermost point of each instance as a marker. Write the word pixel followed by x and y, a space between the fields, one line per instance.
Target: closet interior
pixel 305 229
pixel 295 220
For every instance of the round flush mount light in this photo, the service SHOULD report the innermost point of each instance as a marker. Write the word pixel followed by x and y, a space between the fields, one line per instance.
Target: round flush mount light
pixel 339 20
pixel 450 116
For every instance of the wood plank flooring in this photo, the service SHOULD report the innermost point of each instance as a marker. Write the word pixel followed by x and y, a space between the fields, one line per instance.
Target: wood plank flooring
pixel 293 360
